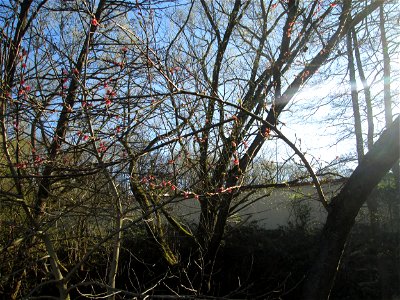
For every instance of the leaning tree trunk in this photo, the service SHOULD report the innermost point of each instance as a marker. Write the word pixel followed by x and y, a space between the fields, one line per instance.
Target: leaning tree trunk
pixel 344 208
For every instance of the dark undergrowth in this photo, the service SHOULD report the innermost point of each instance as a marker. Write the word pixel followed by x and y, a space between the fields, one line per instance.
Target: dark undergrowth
pixel 253 263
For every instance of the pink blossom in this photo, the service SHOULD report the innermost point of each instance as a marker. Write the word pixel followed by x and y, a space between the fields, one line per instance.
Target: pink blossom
pixel 102 148
pixel 94 22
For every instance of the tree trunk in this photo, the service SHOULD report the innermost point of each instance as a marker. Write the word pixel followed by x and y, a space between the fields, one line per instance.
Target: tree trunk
pixel 367 92
pixel 344 208
pixel 119 222
pixel 387 98
pixel 372 202
pixel 354 98
pixel 386 69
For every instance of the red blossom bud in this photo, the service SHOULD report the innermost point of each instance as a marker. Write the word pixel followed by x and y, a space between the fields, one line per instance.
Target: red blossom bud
pixel 94 22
